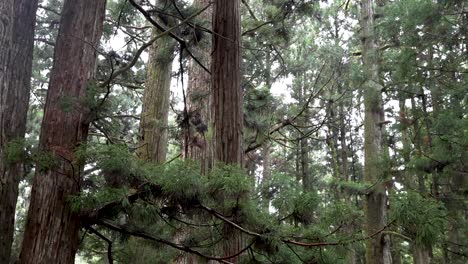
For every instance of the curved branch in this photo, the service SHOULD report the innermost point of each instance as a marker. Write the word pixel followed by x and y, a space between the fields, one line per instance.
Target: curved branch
pixel 144 235
pixel 150 42
pixel 109 244
pixel 182 42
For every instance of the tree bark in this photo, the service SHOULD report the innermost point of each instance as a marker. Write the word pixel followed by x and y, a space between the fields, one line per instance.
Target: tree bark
pixel 17 22
pixel 378 247
pixel 154 115
pixel 227 98
pixel 197 143
pixel 199 99
pixel 51 234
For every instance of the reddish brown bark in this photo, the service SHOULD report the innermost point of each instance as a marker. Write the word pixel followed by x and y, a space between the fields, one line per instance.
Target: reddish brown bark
pixel 17 19
pixel 227 99
pixel 196 144
pixel 51 234
pixel 225 72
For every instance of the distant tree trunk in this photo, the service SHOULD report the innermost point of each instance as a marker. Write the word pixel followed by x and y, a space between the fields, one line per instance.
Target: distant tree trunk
pixel 154 115
pixel 199 99
pixel 421 254
pixel 266 174
pixel 197 145
pixel 51 234
pixel 227 98
pixel 332 142
pixel 350 228
pixel 266 149
pixel 17 21
pixel 304 147
pixel 377 247
pixel 304 160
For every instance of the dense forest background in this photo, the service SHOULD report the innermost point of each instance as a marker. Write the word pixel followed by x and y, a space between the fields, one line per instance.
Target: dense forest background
pixel 234 131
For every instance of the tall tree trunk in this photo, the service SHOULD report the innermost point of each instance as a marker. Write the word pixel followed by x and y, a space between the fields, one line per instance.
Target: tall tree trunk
pixel 351 254
pixel 227 97
pixel 199 98
pixel 304 147
pixel 266 174
pixel 154 115
pixel 377 247
pixel 197 145
pixel 17 21
pixel 51 234
pixel 227 92
pixel 266 149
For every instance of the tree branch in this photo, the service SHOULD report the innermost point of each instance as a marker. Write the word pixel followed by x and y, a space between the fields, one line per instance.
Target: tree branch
pixel 182 42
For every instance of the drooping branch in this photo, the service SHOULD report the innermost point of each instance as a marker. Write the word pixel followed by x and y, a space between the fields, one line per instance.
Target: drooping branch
pixel 165 32
pixel 290 121
pixel 144 235
pixel 288 241
pixel 108 241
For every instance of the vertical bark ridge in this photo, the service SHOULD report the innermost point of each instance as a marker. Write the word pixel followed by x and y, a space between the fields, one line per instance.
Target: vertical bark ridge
pixel 51 234
pixel 16 41
pixel 227 99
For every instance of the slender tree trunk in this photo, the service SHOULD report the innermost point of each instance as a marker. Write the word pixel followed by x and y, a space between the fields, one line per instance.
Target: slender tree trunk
pixel 349 229
pixel 377 247
pixel 266 174
pixel 304 147
pixel 51 234
pixel 17 21
pixel 154 115
pixel 197 145
pixel 421 255
pixel 227 98
pixel 266 149
pixel 199 99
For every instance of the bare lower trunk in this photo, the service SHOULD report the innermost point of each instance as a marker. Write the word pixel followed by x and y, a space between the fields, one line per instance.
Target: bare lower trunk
pixel 17 19
pixel 51 234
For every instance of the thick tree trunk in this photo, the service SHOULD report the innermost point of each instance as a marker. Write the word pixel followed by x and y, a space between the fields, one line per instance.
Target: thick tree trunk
pixel 51 234
pixel 377 247
pixel 17 21
pixel 227 98
pixel 154 115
